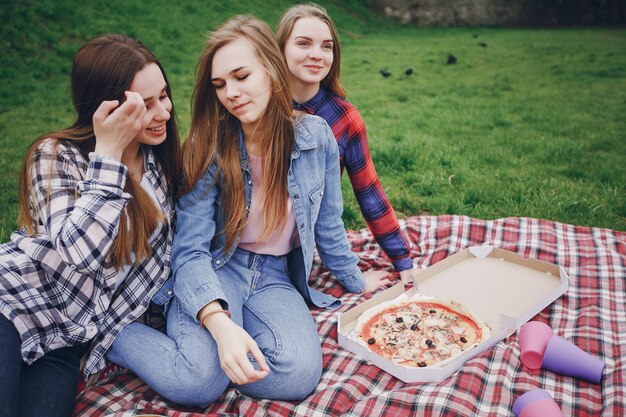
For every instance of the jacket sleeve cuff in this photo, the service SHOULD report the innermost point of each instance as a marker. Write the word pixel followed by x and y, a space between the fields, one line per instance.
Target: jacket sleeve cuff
pixel 403 264
pixel 353 282
pixel 106 172
pixel 197 293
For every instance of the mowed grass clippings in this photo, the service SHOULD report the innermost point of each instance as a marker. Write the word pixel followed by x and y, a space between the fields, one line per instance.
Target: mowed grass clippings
pixel 525 123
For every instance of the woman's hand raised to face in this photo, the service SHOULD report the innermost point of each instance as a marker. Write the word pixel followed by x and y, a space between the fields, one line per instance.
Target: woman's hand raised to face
pixel 115 125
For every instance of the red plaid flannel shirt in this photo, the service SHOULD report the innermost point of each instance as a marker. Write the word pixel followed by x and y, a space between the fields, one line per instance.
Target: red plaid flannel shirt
pixel 349 130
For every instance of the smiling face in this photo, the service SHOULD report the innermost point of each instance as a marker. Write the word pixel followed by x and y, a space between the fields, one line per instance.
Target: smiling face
pixel 150 84
pixel 241 83
pixel 309 52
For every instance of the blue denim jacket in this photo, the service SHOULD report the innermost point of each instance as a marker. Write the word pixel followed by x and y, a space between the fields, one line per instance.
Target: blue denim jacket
pixel 314 187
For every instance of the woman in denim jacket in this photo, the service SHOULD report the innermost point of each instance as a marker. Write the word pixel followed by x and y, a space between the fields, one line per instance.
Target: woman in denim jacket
pixel 263 189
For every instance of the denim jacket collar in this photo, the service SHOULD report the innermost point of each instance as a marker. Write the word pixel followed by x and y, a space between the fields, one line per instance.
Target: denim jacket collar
pixel 304 142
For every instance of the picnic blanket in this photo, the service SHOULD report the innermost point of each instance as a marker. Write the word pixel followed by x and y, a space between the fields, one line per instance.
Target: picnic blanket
pixel 592 313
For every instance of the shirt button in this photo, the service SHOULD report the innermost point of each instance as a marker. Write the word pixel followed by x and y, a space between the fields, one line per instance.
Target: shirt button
pixel 218 262
pixel 169 292
pixel 296 196
pixel 249 182
pixel 301 225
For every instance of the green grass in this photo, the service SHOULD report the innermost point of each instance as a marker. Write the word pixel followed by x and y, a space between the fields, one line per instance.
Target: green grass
pixel 531 125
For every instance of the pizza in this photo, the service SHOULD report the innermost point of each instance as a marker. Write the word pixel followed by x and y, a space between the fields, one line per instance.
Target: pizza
pixel 420 332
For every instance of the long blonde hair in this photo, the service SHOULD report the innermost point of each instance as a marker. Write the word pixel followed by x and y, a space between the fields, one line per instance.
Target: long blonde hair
pixel 102 70
pixel 214 131
pixel 285 27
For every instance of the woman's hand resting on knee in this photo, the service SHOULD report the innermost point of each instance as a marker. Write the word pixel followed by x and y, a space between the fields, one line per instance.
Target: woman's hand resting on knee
pixel 233 345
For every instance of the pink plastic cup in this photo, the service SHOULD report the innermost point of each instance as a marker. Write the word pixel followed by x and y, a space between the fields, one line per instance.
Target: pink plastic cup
pixel 536 403
pixel 533 340
pixel 564 357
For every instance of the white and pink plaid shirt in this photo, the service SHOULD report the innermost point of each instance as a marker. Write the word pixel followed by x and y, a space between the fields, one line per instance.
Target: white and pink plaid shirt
pixel 58 287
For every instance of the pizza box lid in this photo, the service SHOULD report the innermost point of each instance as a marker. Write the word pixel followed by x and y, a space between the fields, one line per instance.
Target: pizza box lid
pixel 502 288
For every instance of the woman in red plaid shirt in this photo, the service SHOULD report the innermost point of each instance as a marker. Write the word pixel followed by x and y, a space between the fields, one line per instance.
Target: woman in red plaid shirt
pixel 307 36
pixel 96 216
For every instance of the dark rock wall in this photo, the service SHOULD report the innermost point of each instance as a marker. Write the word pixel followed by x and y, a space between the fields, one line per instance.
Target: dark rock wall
pixel 504 12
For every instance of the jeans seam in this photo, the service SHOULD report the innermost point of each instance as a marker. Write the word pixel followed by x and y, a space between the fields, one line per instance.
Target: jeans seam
pixel 182 323
pixel 275 333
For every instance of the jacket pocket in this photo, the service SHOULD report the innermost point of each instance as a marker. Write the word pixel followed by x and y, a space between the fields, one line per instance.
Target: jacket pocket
pixel 315 199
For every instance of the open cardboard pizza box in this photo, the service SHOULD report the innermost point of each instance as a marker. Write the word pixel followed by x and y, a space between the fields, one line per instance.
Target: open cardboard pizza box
pixel 500 287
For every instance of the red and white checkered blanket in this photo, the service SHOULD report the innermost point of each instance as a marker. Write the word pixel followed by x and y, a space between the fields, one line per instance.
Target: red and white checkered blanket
pixel 592 313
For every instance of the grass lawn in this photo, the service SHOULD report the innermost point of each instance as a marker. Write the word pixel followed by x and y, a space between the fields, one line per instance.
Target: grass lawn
pixel 530 124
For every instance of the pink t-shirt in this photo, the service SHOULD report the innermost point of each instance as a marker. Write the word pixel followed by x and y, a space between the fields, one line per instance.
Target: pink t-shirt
pixel 277 244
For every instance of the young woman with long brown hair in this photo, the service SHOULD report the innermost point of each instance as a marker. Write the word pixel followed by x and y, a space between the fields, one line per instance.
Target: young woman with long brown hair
pixel 308 39
pixel 96 214
pixel 262 189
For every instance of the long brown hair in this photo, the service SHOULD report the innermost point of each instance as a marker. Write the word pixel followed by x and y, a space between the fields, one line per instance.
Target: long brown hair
pixel 102 70
pixel 214 131
pixel 285 27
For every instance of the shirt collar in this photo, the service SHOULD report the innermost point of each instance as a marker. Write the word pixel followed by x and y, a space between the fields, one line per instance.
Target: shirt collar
pixel 314 104
pixel 149 156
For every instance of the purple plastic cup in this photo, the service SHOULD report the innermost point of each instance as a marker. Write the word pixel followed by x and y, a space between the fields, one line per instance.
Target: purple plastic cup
pixel 564 357
pixel 536 403
pixel 533 339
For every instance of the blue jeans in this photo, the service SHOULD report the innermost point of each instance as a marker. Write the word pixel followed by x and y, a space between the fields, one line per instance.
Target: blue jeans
pixel 47 387
pixel 183 366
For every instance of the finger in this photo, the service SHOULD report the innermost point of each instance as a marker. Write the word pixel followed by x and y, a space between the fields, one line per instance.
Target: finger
pixel 408 275
pixel 131 105
pixel 252 375
pixel 377 284
pixel 256 376
pixel 247 368
pixel 382 273
pixel 135 110
pixel 104 109
pixel 234 373
pixel 377 274
pixel 259 357
pixel 133 97
pixel 145 119
pixel 234 378
pixel 140 118
pixel 140 105
pixel 246 373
